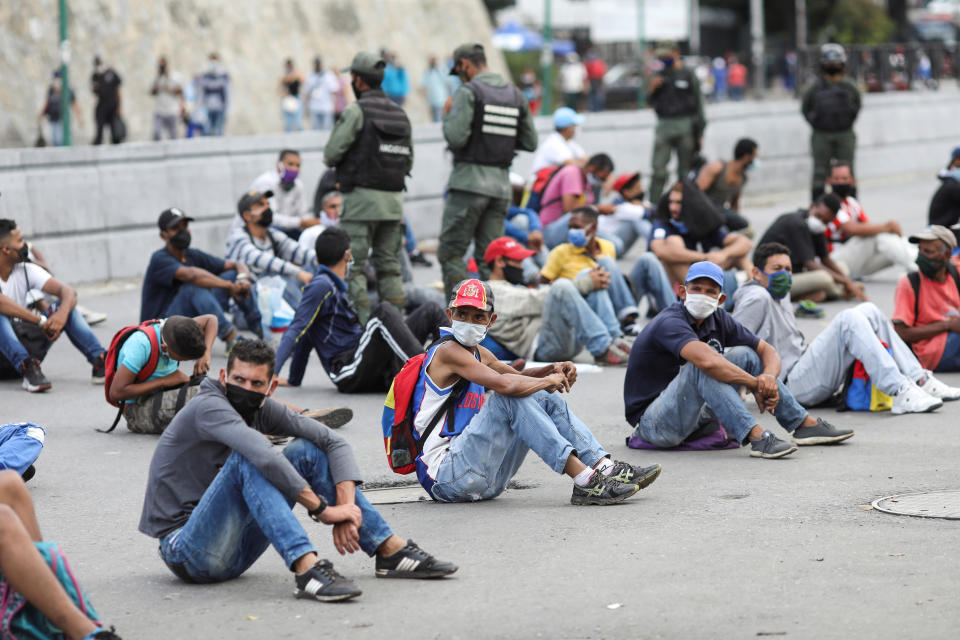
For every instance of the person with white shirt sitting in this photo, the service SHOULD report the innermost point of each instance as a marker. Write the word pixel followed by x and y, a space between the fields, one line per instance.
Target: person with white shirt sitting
pixel 291 209
pixel 559 148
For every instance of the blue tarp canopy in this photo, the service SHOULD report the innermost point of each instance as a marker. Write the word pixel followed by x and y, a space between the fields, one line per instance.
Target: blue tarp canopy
pixel 516 37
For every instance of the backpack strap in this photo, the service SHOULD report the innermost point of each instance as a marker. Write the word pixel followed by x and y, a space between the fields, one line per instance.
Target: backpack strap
pixel 116 420
pixel 151 365
pixel 546 184
pixel 914 279
pixel 449 407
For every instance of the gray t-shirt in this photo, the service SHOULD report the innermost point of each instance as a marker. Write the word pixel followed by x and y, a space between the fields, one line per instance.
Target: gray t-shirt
pixel 205 432
pixel 771 320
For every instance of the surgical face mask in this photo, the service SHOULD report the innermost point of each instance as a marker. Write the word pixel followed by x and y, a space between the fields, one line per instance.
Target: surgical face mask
pixel 181 240
pixel 356 89
pixel 842 190
pixel 287 176
pixel 467 333
pixel 244 401
pixel 930 267
pixel 954 173
pixel 667 61
pixel 266 218
pixel 815 225
pixel 512 274
pixel 700 305
pixel 577 237
pixel 779 283
pixel 752 166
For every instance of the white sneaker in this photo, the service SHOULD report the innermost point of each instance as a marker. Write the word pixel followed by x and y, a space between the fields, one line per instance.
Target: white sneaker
pixel 92 317
pixel 932 386
pixel 912 399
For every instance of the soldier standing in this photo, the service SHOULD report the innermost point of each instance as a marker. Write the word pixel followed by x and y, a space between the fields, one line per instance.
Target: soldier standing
pixel 484 123
pixel 831 105
pixel 371 148
pixel 675 95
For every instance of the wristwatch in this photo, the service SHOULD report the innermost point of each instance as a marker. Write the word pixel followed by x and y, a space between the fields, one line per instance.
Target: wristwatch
pixel 315 513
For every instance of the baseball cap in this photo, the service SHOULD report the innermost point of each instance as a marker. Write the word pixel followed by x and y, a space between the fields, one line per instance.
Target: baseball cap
pixel 170 217
pixel 366 62
pixel 936 232
pixel 566 117
pixel 473 293
pixel 505 247
pixel 954 154
pixel 665 48
pixel 705 269
pixel 624 179
pixel 464 51
pixel 250 198
pixel 183 336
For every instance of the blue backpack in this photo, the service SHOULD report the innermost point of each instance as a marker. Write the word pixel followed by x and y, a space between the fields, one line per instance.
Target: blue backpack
pixel 20 620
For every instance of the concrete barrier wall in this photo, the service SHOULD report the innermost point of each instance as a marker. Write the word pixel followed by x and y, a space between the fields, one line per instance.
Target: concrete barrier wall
pixel 93 210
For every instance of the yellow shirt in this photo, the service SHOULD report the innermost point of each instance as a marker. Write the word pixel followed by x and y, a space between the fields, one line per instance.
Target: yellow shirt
pixel 566 260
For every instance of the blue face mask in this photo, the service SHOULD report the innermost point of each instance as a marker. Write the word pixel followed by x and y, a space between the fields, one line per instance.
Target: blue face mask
pixel 679 226
pixel 753 165
pixel 667 61
pixel 577 237
pixel 954 173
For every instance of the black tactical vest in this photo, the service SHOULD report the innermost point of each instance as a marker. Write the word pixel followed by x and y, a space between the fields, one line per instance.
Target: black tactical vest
pixel 380 156
pixel 493 133
pixel 833 107
pixel 676 97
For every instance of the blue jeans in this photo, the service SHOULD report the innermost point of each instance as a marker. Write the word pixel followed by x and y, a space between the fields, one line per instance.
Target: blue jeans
pixel 650 279
pixel 674 414
pixel 293 120
pixel 950 360
pixel 192 300
pixel 488 453
pixel 556 232
pixel 76 328
pixel 628 232
pixel 216 118
pixel 10 345
pixel 241 513
pixel 321 120
pixel 20 445
pixel 409 240
pixel 620 294
pixel 568 324
pixel 601 304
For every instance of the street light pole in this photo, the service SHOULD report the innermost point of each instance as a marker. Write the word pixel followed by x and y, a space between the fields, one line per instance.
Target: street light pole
pixel 641 86
pixel 65 94
pixel 546 61
pixel 757 46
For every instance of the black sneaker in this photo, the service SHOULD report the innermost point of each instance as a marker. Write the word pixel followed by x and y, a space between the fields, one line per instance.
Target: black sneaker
pixel 602 490
pixel 419 260
pixel 322 582
pixel 821 433
pixel 334 418
pixel 106 634
pixel 29 473
pixel 629 474
pixel 770 446
pixel 33 379
pixel 412 562
pixel 99 369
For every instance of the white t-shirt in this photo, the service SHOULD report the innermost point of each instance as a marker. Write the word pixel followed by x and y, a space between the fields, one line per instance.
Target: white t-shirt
pixel 555 150
pixel 320 90
pixel 288 206
pixel 572 77
pixel 24 277
pixel 167 101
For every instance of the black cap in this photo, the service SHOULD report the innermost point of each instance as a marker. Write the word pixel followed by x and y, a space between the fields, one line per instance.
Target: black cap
pixel 464 51
pixel 171 217
pixel 250 198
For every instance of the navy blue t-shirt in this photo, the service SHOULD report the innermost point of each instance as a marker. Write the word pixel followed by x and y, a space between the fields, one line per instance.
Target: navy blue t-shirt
pixel 655 357
pixel 662 228
pixel 159 285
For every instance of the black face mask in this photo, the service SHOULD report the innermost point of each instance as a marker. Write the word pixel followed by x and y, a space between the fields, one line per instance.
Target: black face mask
pixel 356 91
pixel 244 401
pixel 930 267
pixel 23 253
pixel 266 218
pixel 512 274
pixel 181 240
pixel 842 190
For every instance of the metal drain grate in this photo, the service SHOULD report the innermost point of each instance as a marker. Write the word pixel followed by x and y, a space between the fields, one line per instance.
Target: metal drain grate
pixel 931 504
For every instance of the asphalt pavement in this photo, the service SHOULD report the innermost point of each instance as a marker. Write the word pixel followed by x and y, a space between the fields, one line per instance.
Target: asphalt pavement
pixel 721 546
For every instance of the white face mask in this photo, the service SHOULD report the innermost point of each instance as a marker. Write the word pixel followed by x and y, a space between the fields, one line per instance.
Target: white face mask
pixel 815 224
pixel 467 333
pixel 700 305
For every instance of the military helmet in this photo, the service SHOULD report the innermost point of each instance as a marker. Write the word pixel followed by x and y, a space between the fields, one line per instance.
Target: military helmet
pixel 832 53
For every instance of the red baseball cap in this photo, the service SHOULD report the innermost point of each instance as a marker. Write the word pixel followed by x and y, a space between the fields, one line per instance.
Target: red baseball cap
pixel 506 247
pixel 623 179
pixel 473 293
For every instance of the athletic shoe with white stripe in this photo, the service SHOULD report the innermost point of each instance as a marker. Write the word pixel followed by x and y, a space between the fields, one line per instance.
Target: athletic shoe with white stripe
pixel 412 562
pixel 322 582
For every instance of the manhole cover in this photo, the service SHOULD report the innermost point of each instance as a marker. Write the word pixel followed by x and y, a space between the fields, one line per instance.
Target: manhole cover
pixel 932 504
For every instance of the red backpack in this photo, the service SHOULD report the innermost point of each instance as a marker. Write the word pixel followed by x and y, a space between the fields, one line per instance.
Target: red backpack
pixel 540 182
pixel 113 355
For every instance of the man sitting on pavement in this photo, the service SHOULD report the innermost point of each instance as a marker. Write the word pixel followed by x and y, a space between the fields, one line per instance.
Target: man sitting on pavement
pixel 691 230
pixel 180 339
pixel 357 358
pixel 266 251
pixel 218 494
pixel 17 278
pixel 571 187
pixel 926 305
pixel 182 281
pixel 291 210
pixel 723 182
pixel 549 323
pixel 816 277
pixel 692 358
pixel 631 216
pixel 815 372
pixel 862 246
pixel 475 457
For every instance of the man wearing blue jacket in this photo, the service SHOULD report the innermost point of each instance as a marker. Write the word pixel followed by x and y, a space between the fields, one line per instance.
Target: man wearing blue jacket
pixel 357 358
